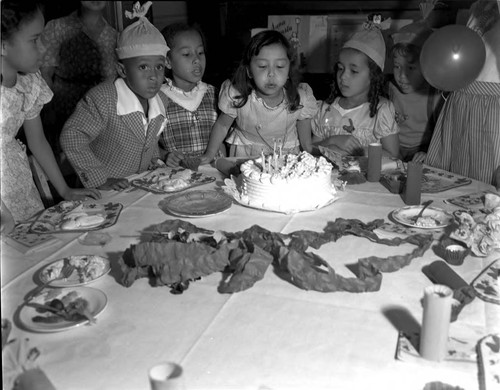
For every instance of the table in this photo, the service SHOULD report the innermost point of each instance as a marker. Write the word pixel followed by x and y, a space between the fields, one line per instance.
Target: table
pixel 272 336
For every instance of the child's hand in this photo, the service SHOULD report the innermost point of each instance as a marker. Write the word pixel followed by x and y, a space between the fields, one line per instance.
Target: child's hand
pixel 81 194
pixel 419 157
pixel 174 159
pixel 348 143
pixel 205 159
pixel 116 184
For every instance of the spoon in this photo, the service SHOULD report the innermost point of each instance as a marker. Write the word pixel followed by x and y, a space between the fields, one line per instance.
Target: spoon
pixel 425 204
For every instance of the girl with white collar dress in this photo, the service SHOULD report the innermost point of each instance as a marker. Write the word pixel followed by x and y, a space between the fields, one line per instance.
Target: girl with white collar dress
pixel 192 105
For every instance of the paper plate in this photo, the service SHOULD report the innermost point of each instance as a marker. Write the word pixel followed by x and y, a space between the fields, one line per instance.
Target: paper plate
pixel 404 216
pixel 96 299
pixel 88 268
pixel 197 204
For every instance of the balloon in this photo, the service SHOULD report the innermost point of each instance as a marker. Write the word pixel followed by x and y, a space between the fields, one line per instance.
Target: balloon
pixel 452 57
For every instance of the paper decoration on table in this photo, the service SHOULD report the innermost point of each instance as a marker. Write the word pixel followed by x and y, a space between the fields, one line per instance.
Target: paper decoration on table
pixel 22 239
pixel 55 218
pixel 461 347
pixel 487 283
pixel 438 181
pixel 185 252
pixel 489 362
pixel 171 180
pixel 475 200
pixel 480 233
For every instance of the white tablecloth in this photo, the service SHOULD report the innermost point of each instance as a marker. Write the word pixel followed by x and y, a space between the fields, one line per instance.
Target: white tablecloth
pixel 272 336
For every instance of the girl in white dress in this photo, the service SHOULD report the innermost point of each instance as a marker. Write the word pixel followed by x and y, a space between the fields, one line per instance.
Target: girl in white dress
pixel 263 103
pixel 356 114
pixel 24 93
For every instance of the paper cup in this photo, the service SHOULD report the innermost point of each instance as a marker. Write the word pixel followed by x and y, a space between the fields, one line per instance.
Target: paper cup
pixel 166 376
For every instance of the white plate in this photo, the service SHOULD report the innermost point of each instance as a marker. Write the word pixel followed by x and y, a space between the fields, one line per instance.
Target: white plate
pixel 404 216
pixel 88 268
pixel 96 299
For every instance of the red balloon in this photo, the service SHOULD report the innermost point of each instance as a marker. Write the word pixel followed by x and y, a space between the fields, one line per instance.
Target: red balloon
pixel 452 57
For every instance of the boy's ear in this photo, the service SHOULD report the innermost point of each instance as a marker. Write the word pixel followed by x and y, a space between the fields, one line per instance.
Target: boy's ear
pixel 168 64
pixel 120 69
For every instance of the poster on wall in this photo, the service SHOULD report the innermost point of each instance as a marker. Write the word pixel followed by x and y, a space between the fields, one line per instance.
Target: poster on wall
pixel 308 36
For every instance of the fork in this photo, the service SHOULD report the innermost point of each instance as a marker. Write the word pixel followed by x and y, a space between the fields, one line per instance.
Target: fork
pixel 66 271
pixel 425 204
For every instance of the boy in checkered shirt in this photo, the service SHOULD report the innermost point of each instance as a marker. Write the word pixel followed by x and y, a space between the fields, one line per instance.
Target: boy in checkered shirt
pixel 114 130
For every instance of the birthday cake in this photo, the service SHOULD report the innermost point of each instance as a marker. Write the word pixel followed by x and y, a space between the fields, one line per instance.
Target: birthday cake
pixel 288 184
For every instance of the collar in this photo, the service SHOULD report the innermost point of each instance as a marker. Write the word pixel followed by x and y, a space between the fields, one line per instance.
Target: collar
pixel 128 103
pixel 187 100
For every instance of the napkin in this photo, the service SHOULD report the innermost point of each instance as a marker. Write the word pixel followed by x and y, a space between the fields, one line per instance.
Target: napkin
pixel 18 364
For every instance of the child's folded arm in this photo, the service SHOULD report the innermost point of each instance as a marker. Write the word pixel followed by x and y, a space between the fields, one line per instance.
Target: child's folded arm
pixel 80 130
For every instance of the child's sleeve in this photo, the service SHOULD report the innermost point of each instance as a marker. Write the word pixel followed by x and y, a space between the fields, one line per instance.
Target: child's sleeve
pixel 307 101
pixel 227 99
pixel 386 120
pixel 316 127
pixel 39 95
pixel 84 125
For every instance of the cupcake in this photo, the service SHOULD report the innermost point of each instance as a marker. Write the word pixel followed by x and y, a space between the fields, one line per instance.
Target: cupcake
pixel 454 254
pixel 451 250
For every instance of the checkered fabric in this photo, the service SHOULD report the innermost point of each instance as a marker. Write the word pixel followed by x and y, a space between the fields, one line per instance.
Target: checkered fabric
pixel 101 144
pixel 188 131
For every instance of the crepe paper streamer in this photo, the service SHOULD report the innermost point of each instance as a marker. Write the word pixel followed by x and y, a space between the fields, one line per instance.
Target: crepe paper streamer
pixel 374 162
pixel 181 251
pixel 435 322
pixel 413 186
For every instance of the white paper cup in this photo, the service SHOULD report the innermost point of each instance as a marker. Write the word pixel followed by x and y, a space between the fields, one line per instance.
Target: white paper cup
pixel 166 376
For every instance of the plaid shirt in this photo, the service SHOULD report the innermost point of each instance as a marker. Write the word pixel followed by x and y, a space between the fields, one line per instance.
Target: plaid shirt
pixel 101 144
pixel 187 131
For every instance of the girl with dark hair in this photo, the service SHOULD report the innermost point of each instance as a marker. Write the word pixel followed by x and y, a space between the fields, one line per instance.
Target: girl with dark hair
pixel 264 103
pixel 24 92
pixel 357 114
pixel 192 104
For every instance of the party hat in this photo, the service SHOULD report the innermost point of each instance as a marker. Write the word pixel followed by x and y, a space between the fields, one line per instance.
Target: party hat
pixel 370 40
pixel 141 38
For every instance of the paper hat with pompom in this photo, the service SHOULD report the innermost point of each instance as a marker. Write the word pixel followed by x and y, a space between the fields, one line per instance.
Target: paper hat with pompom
pixel 141 38
pixel 416 33
pixel 370 40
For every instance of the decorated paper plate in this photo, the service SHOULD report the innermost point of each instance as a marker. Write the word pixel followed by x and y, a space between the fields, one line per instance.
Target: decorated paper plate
pixel 88 268
pixel 486 285
pixel 489 362
pixel 433 217
pixel 171 180
pixel 197 204
pixel 74 216
pixel 39 320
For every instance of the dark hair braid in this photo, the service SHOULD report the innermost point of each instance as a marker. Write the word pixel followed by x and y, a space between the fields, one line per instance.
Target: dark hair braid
pixel 15 14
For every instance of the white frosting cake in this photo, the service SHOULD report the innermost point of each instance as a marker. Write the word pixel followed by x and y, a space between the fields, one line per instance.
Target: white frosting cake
pixel 288 184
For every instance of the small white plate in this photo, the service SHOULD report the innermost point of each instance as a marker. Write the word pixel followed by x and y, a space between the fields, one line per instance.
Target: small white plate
pixel 405 214
pixel 96 299
pixel 88 268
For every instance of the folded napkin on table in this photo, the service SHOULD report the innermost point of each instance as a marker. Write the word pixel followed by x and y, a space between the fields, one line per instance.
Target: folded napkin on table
pixel 18 364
